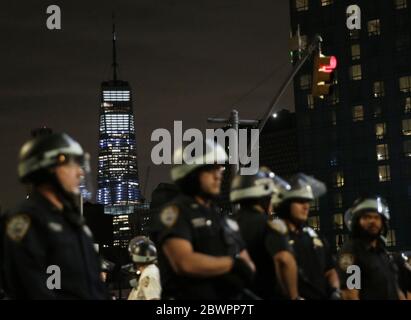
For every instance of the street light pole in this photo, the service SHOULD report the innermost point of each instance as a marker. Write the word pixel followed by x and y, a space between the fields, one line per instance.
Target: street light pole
pixel 234 121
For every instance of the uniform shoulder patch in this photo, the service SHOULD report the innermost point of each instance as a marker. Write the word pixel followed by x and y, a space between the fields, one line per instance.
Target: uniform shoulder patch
pixel 278 225
pixel 345 260
pixel 169 215
pixel 17 226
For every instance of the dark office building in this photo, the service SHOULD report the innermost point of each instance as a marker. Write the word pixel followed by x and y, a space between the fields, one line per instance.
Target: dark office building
pixel 278 144
pixel 358 139
pixel 100 224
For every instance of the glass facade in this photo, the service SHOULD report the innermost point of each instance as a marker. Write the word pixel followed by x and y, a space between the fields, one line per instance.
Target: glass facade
pixel 118 182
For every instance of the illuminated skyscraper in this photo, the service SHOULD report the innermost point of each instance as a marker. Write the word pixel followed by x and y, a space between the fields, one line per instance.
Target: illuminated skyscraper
pixel 118 183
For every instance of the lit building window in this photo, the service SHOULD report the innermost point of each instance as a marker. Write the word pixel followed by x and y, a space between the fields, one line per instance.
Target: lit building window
pixel 380 130
pixel 407 105
pixel 338 200
pixel 382 152
pixel 310 101
pixel 325 3
pixel 405 84
pixel 355 72
pixel 384 173
pixel 338 221
pixel 400 4
pixel 301 5
pixel 378 89
pixel 338 179
pixel 116 95
pixel 357 113
pixel 406 127
pixel 314 222
pixel 374 27
pixel 305 81
pixel 407 148
pixel 355 52
pixel 391 239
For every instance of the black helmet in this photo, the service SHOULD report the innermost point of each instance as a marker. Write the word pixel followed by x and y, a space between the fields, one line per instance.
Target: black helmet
pixel 262 184
pixel 46 151
pixel 363 204
pixel 107 266
pixel 142 250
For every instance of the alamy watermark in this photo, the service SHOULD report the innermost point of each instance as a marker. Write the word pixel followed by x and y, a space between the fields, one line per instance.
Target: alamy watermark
pixel 242 147
pixel 54 280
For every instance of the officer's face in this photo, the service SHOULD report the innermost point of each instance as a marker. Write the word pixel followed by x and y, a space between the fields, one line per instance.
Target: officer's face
pixel 371 222
pixel 300 210
pixel 69 175
pixel 210 180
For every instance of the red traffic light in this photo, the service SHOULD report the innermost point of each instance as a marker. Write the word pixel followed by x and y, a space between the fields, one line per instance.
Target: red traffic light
pixel 324 66
pixel 327 64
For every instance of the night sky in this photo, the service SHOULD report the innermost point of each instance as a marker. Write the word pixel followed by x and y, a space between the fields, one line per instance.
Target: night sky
pixel 185 60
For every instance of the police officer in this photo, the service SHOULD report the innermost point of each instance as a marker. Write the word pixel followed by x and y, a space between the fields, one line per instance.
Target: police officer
pixel 266 239
pixel 403 263
pixel 317 277
pixel 201 254
pixel 367 221
pixel 49 251
pixel 143 253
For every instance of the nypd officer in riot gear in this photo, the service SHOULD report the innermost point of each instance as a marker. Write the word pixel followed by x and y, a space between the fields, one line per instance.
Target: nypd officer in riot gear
pixel 49 251
pixel 367 221
pixel 201 253
pixel 266 239
pixel 143 253
pixel 317 277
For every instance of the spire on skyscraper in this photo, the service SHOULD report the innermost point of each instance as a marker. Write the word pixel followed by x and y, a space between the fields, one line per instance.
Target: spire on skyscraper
pixel 114 64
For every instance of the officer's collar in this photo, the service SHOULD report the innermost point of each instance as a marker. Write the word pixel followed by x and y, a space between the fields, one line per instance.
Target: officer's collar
pixel 296 228
pixel 38 197
pixel 367 245
pixel 194 204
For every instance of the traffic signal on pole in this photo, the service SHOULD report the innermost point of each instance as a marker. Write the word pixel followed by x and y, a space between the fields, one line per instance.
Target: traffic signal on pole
pixel 323 74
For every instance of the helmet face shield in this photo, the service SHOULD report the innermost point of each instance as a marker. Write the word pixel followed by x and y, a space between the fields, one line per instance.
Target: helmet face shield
pixel 86 182
pixel 142 250
pixel 375 204
pixel 263 184
pixel 196 155
pixel 45 152
pixel 304 187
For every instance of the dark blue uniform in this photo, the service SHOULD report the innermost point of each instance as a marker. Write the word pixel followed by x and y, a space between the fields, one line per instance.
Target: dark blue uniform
pixel 378 271
pixel 210 233
pixel 264 238
pixel 38 235
pixel 314 260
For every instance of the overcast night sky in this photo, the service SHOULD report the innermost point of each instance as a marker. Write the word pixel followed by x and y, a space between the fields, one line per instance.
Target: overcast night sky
pixel 185 60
